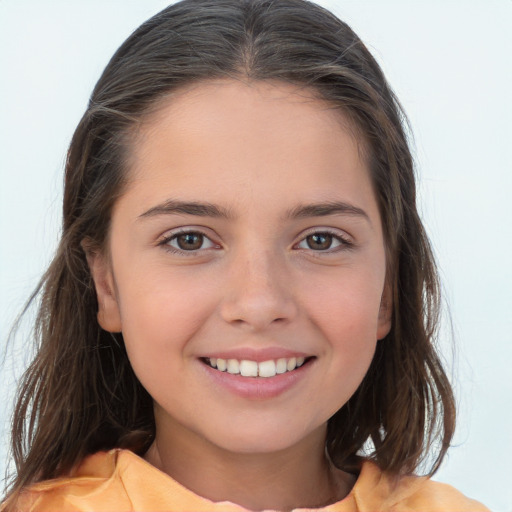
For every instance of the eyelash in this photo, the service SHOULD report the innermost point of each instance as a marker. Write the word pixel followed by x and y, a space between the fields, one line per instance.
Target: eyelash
pixel 165 243
pixel 344 242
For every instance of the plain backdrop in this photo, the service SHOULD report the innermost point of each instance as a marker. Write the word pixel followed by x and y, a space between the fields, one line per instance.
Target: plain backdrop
pixel 450 64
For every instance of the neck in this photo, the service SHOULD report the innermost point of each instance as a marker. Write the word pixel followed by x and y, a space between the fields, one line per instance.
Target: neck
pixel 297 477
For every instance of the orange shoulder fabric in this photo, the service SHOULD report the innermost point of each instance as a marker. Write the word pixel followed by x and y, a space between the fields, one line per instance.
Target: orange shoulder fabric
pixel 377 491
pixel 115 481
pixel 121 481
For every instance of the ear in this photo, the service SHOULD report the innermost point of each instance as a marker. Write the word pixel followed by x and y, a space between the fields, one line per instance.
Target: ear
pixel 385 312
pixel 109 316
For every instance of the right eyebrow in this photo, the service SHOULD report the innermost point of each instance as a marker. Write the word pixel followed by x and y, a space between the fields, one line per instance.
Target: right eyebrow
pixel 172 206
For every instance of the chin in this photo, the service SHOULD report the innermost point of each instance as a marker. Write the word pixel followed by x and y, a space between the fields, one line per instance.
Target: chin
pixel 262 445
pixel 264 439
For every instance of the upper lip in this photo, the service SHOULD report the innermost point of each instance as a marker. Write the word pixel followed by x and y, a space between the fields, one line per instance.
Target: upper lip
pixel 256 354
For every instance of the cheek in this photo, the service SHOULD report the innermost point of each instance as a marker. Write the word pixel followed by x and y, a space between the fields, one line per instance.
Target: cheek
pixel 161 312
pixel 346 308
pixel 346 315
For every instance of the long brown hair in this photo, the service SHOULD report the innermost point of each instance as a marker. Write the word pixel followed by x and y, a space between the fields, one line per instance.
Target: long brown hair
pixel 80 394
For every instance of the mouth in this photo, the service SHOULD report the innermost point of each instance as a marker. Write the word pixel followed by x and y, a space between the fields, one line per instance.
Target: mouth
pixel 251 369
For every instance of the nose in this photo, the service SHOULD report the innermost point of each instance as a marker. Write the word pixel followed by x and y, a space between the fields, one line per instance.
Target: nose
pixel 258 292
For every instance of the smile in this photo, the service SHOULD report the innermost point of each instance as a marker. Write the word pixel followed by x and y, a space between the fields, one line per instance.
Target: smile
pixel 248 368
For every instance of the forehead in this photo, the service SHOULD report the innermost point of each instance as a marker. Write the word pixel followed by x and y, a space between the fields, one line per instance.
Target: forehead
pixel 261 137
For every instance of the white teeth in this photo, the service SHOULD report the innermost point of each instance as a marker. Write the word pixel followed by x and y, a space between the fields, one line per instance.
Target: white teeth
pixel 281 365
pixel 248 368
pixel 267 369
pixel 233 366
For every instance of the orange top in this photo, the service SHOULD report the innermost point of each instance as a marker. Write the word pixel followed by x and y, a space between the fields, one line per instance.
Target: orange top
pixel 119 480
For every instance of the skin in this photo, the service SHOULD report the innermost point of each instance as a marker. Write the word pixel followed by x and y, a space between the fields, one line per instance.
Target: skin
pixel 258 151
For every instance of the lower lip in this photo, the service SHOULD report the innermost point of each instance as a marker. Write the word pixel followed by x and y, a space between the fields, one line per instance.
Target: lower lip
pixel 258 388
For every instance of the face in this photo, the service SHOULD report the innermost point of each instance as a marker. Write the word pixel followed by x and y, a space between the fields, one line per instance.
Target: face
pixel 246 266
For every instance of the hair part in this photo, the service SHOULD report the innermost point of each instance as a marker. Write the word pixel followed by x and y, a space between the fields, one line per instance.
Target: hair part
pixel 80 394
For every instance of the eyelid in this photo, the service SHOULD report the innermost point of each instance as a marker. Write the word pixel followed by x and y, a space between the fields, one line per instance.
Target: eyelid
pixel 165 239
pixel 345 240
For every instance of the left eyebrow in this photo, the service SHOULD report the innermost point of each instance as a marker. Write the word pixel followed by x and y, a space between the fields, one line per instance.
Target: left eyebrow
pixel 327 208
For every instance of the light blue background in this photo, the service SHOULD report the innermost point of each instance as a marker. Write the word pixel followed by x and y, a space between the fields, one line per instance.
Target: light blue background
pixel 450 64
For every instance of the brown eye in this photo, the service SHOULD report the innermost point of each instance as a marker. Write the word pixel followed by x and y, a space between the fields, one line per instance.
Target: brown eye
pixel 319 241
pixel 189 241
pixel 323 241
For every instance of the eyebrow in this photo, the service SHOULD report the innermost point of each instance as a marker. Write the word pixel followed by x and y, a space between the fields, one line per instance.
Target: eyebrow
pixel 173 206
pixel 325 209
pixel 301 211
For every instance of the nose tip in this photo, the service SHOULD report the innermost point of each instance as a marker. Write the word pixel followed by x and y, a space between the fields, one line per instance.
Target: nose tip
pixel 256 314
pixel 258 298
